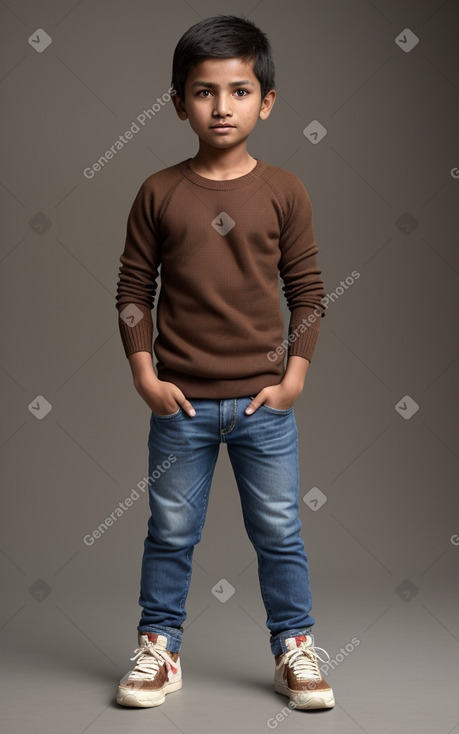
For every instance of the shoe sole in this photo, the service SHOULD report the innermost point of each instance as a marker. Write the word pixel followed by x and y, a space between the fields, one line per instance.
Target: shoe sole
pixel 126 697
pixel 309 700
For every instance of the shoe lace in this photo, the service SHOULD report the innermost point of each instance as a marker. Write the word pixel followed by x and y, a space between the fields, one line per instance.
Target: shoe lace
pixel 303 661
pixel 149 658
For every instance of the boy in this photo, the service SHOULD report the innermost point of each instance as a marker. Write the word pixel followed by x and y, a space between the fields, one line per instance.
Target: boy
pixel 223 225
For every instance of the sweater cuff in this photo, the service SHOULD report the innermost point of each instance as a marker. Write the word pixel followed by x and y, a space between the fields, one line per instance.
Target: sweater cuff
pixel 303 331
pixel 136 328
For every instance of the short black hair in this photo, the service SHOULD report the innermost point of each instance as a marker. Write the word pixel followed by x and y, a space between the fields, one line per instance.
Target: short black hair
pixel 224 37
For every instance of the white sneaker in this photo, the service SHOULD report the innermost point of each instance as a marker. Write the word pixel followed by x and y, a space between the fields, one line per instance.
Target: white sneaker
pixel 156 673
pixel 297 675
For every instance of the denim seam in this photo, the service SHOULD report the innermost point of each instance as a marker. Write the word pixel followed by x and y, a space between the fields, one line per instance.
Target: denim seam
pixel 191 549
pixel 186 589
pixel 167 416
pixel 259 565
pixel 276 411
pixel 224 432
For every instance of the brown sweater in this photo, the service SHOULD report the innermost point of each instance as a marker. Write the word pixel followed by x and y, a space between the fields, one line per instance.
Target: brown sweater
pixel 219 248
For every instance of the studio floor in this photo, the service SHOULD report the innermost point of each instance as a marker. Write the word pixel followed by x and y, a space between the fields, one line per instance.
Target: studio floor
pixel 59 676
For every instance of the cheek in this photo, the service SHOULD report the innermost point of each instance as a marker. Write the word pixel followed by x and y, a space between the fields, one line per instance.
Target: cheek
pixel 194 116
pixel 199 114
pixel 249 114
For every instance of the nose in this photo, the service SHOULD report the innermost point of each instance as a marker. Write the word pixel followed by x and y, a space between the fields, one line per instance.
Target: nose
pixel 222 105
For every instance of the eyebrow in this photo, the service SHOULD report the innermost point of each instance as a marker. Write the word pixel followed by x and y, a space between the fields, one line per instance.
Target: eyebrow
pixel 211 85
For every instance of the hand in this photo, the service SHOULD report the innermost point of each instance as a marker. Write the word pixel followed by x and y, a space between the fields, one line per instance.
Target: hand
pixel 281 396
pixel 163 398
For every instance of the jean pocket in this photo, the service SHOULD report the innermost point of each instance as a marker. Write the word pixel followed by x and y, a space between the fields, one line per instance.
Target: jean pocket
pixel 166 417
pixel 275 411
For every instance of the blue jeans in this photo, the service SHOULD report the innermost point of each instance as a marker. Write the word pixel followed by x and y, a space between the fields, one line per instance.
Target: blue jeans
pixel 263 450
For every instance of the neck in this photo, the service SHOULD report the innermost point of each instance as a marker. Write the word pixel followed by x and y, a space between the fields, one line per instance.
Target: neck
pixel 221 164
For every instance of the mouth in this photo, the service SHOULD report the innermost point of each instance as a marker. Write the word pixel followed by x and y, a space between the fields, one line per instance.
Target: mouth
pixel 221 127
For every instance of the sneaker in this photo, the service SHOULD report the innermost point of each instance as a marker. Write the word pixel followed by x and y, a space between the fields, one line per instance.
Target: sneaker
pixel 297 675
pixel 156 673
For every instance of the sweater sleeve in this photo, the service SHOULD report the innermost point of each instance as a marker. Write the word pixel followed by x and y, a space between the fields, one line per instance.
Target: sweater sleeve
pixel 137 283
pixel 303 285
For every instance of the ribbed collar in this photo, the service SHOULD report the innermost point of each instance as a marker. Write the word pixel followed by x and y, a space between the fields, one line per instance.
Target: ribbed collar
pixel 232 183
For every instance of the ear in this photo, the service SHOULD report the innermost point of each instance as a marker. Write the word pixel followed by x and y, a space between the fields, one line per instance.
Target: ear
pixel 179 107
pixel 267 105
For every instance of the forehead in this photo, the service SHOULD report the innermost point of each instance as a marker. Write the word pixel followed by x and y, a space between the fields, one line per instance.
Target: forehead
pixel 222 71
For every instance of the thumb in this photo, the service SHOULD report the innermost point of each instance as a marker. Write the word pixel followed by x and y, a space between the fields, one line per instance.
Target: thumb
pixel 184 403
pixel 188 408
pixel 254 403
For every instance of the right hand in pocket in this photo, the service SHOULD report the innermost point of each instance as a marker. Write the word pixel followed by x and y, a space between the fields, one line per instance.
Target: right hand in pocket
pixel 163 398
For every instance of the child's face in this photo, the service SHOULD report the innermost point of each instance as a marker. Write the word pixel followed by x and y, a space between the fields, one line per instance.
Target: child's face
pixel 223 91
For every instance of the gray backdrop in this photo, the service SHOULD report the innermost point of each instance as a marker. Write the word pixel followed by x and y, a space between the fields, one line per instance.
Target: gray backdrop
pixel 377 418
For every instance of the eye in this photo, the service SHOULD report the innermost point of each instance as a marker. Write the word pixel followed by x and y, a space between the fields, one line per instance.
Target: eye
pixel 203 91
pixel 244 91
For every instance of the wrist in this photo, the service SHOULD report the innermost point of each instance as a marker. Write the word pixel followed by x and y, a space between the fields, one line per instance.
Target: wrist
pixel 143 379
pixel 142 367
pixel 295 374
pixel 293 385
